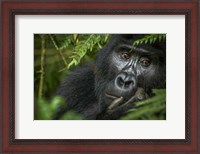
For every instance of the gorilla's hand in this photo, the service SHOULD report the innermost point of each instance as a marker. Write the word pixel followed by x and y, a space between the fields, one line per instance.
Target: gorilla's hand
pixel 139 95
pixel 118 107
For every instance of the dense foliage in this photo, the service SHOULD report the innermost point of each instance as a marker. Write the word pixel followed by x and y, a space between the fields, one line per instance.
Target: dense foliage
pixel 56 54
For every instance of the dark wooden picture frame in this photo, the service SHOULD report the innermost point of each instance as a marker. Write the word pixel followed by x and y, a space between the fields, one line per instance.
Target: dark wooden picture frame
pixel 190 9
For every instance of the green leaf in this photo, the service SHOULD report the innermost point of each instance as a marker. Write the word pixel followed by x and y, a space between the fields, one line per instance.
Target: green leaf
pixel 153 108
pixel 57 102
pixel 44 111
pixel 70 115
pixel 152 38
pixel 87 45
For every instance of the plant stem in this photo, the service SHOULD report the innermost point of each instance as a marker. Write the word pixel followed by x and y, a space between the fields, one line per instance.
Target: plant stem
pixel 58 49
pixel 42 65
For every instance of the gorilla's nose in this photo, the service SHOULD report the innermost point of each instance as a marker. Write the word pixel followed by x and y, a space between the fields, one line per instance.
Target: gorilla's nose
pixel 125 81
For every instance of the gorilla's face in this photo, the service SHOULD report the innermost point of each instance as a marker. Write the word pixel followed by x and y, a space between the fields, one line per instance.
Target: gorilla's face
pixel 133 67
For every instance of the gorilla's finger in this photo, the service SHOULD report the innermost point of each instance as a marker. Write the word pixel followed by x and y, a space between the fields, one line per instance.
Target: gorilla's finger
pixel 116 102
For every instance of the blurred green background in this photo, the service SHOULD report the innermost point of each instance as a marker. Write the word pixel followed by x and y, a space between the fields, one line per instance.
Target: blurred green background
pixel 56 54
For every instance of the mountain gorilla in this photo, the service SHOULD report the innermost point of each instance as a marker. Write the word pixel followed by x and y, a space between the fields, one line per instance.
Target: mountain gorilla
pixel 121 75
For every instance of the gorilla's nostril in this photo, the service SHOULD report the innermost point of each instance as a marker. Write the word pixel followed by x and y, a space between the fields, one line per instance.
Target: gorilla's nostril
pixel 128 83
pixel 120 81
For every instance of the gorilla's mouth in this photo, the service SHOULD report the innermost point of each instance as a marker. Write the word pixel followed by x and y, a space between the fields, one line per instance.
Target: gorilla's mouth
pixel 113 101
pixel 114 97
pixel 112 93
pixel 111 96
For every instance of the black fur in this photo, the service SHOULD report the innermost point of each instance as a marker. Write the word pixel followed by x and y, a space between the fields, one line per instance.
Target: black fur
pixel 85 87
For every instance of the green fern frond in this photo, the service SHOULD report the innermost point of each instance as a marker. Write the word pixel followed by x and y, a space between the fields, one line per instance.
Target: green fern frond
pixel 84 46
pixel 150 39
pixel 153 108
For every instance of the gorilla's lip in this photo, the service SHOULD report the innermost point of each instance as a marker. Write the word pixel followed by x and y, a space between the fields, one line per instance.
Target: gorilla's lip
pixel 111 96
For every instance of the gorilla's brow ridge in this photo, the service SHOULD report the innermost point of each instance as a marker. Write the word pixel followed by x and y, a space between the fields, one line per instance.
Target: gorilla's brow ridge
pixel 139 50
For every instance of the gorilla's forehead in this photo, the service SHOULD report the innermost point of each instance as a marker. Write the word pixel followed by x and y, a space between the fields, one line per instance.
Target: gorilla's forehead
pixel 147 49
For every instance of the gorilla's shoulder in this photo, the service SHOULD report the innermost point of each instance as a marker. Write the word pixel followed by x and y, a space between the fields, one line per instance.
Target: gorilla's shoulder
pixel 81 73
pixel 78 83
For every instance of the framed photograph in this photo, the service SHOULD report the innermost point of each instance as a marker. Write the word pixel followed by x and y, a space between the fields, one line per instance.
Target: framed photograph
pixel 103 76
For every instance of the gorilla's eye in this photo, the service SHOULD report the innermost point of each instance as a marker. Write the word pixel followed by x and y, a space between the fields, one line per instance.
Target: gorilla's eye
pixel 145 62
pixel 125 55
